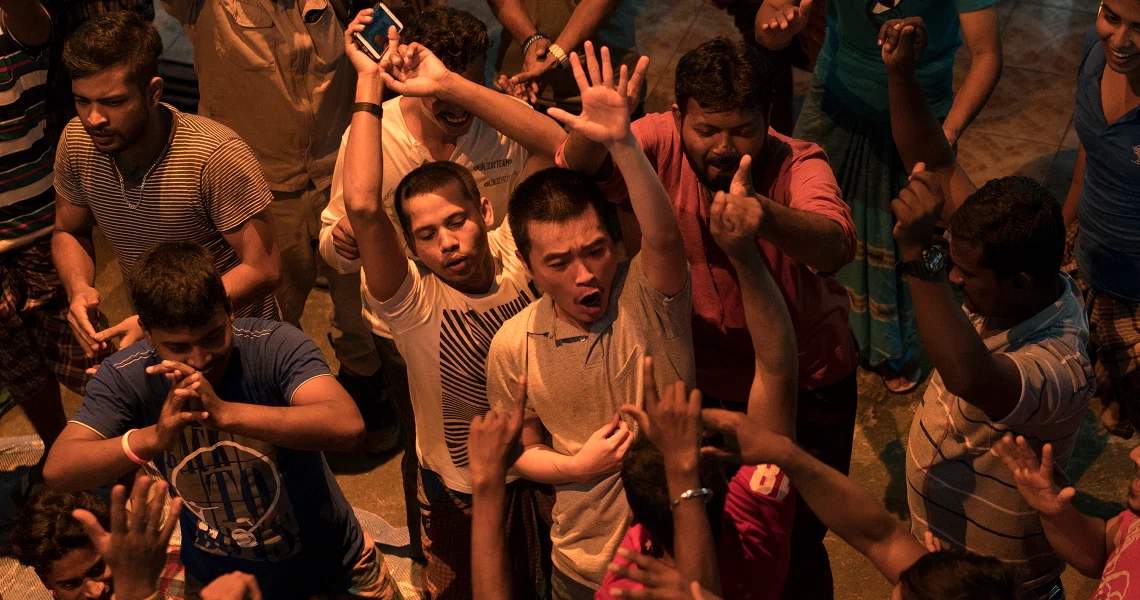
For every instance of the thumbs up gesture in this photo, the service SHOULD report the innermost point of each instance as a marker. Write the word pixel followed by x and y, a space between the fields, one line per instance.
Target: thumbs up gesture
pixel 736 216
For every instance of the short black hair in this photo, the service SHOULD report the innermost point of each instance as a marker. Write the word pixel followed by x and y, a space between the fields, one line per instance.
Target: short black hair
pixel 723 75
pixel 45 530
pixel 556 195
pixel 1018 224
pixel 951 575
pixel 643 478
pixel 457 37
pixel 114 39
pixel 175 285
pixel 430 177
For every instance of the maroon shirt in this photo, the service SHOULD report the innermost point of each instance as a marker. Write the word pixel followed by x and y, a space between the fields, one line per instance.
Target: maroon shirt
pixel 793 173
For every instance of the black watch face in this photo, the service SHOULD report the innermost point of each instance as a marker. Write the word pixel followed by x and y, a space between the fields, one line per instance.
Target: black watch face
pixel 934 260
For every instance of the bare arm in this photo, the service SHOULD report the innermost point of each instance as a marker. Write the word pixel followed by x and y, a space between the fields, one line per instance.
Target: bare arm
pixel 259 272
pixel 808 238
pixel 81 459
pixel 584 23
pixel 846 509
pixel 1073 200
pixel 27 21
pixel 980 29
pixel 73 252
pixel 600 455
pixel 514 18
pixel 917 133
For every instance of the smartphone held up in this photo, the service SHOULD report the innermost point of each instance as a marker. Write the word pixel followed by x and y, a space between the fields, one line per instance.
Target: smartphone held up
pixel 374 38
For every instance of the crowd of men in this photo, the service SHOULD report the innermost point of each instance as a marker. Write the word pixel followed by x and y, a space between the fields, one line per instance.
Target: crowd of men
pixel 612 344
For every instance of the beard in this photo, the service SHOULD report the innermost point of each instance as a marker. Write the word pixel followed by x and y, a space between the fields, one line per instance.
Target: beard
pixel 722 180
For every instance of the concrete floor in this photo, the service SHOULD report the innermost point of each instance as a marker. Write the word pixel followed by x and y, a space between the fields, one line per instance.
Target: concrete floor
pixel 1026 129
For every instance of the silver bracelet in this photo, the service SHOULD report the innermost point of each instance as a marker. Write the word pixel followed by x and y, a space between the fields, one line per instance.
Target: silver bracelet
pixel 704 494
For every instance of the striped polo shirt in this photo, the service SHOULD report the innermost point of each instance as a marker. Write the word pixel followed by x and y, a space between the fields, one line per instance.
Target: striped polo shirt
pixel 206 183
pixel 27 201
pixel 958 489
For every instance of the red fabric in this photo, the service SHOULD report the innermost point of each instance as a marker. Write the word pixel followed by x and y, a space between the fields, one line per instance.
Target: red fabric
pixel 1115 581
pixel 796 174
pixel 755 542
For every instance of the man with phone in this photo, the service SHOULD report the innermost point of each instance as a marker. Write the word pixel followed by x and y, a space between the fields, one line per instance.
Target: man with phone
pixel 275 72
pixel 474 127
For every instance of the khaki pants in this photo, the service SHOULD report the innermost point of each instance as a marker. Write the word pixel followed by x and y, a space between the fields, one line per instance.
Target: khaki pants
pixel 297 221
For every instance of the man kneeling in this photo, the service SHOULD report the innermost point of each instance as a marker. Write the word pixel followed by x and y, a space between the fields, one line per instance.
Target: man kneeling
pixel 235 413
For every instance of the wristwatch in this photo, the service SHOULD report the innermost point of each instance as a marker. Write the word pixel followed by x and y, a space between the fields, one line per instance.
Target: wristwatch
pixel 928 267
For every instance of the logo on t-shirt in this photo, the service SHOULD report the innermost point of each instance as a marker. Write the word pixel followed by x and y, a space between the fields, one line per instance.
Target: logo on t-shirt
pixel 233 488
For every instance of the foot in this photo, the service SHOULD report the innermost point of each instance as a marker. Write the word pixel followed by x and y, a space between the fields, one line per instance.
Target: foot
pixel 904 380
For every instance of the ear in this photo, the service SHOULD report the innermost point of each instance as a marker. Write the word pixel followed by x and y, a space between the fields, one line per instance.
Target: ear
pixel 676 110
pixel 487 211
pixel 154 91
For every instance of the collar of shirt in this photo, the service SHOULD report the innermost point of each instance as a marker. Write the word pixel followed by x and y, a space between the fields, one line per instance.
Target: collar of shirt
pixel 546 323
pixel 1031 328
pixel 1091 78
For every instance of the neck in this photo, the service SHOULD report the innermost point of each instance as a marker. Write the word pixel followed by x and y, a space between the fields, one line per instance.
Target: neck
pixel 1045 296
pixel 565 318
pixel 426 132
pixel 483 283
pixel 1133 78
pixel 153 140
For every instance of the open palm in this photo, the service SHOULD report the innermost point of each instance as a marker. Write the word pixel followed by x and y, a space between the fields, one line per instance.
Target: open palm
pixel 1033 477
pixel 416 72
pixel 605 110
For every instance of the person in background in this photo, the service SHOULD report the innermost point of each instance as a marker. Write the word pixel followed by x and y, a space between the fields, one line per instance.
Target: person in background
pixel 275 72
pixel 236 415
pixel 146 173
pixel 46 538
pixel 37 349
pixel 720 116
pixel 846 113
pixel 1102 249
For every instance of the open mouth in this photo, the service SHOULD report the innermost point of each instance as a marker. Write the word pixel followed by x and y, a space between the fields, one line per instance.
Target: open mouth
pixel 592 300
pixel 455 120
pixel 457 263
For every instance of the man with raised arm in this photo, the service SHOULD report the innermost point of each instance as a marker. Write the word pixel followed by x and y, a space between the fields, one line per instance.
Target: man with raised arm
pixel 235 414
pixel 443 305
pixel 581 346
pixel 1013 358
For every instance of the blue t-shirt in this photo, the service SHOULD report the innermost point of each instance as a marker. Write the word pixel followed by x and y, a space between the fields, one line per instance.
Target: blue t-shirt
pixel 1108 245
pixel 249 505
pixel 850 64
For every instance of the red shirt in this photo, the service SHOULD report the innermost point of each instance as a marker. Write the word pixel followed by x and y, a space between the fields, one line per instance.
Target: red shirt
pixel 795 174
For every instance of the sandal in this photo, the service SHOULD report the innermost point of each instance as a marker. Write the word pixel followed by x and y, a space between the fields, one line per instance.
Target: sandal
pixel 902 376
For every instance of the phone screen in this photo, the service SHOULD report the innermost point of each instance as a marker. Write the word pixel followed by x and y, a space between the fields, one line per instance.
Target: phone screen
pixel 375 36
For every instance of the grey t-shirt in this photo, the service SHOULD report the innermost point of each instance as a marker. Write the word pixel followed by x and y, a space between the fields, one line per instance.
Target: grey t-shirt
pixel 575 383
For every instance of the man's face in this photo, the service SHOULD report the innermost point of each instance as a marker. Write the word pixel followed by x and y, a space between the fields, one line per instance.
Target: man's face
pixel 1118 27
pixel 113 108
pixel 574 263
pixel 1134 487
pixel 714 142
pixel 983 289
pixel 80 575
pixel 450 119
pixel 448 233
pixel 206 348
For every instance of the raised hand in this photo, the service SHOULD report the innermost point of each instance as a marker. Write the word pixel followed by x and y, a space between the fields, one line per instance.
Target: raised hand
pixel 605 110
pixel 661 580
pixel 232 586
pixel 83 311
pixel 903 42
pixel 604 452
pixel 671 420
pixel 748 442
pixel 735 217
pixel 775 27
pixel 493 440
pixel 197 389
pixel 360 60
pixel 917 210
pixel 415 71
pixel 1033 477
pixel 135 548
pixel 128 330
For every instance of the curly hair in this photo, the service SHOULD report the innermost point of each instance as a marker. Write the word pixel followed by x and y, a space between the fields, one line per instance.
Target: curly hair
pixel 117 38
pixel 45 531
pixel 1018 224
pixel 949 575
pixel 457 37
pixel 723 75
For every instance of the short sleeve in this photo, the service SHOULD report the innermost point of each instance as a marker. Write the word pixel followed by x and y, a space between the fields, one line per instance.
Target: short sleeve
pixel 233 187
pixel 1091 41
pixel 673 313
pixel 504 366
pixel 410 306
pixel 812 188
pixel 111 406
pixel 965 6
pixel 1054 387
pixel 296 359
pixel 67 182
pixel 332 214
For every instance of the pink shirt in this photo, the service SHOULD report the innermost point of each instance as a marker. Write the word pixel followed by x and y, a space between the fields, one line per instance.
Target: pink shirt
pixel 755 542
pixel 1116 581
pixel 793 173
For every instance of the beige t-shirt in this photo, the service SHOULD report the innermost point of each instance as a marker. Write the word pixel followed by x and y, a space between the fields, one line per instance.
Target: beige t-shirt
pixel 575 384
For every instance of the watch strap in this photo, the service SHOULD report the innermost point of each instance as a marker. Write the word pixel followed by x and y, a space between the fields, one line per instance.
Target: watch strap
pixel 368 107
